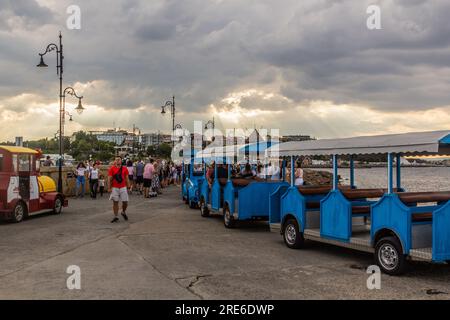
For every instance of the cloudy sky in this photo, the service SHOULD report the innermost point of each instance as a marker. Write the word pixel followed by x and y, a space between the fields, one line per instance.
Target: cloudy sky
pixel 310 67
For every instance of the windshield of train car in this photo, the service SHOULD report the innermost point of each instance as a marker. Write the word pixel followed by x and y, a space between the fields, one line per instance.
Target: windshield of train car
pixel 24 163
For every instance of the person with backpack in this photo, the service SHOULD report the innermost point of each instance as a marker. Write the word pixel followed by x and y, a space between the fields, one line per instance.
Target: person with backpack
pixel 118 184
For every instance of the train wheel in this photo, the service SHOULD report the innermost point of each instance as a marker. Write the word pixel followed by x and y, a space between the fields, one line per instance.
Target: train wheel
pixel 292 236
pixel 228 219
pixel 204 211
pixel 58 205
pixel 389 256
pixel 19 212
pixel 192 205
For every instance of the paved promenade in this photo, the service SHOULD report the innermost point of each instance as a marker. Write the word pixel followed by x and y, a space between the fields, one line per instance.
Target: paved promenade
pixel 167 251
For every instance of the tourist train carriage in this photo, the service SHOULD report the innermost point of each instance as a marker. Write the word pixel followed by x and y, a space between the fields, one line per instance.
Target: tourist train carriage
pixel 391 223
pixel 249 199
pixel 193 177
pixel 235 198
pixel 211 198
pixel 23 192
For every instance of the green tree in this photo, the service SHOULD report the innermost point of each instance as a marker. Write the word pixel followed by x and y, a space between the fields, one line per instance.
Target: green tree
pixel 163 150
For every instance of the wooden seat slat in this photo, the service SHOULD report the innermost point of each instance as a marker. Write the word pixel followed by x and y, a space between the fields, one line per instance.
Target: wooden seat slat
pixel 312 190
pixel 424 216
pixel 360 209
pixel 412 197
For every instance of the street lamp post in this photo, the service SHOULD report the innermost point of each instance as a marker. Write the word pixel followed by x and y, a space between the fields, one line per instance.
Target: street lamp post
pixel 170 104
pixel 212 123
pixel 62 113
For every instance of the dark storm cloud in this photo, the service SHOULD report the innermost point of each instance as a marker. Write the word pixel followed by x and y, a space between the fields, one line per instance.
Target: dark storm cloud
pixel 138 53
pixel 27 12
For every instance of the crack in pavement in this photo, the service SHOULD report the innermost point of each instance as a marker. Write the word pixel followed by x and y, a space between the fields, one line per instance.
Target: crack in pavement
pixel 193 282
pixel 153 266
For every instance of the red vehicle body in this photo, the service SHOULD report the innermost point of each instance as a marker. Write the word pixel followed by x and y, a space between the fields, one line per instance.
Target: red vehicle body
pixel 23 192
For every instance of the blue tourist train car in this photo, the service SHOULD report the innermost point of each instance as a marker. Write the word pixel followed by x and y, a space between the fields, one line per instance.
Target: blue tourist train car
pixel 236 199
pixel 192 178
pixel 193 183
pixel 393 224
pixel 211 197
pixel 249 199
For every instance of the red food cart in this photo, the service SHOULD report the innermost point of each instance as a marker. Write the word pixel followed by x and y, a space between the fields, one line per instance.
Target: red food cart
pixel 23 192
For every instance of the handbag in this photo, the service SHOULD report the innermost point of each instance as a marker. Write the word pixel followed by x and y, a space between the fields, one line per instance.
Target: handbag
pixel 118 176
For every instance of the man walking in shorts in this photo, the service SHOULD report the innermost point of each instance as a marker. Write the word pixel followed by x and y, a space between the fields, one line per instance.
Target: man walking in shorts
pixel 118 187
pixel 140 175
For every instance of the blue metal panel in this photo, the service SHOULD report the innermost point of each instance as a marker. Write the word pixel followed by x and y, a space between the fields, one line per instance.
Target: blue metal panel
pixel 336 217
pixel 229 196
pixel 292 172
pixel 390 174
pixel 352 172
pixel 254 199
pixel 441 233
pixel 292 202
pixel 193 186
pixel 399 172
pixel 445 140
pixel 204 191
pixel 335 173
pixel 275 203
pixel 216 195
pixel 390 213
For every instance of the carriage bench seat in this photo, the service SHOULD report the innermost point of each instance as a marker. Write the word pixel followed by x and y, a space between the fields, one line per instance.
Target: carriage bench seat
pixel 423 197
pixel 237 182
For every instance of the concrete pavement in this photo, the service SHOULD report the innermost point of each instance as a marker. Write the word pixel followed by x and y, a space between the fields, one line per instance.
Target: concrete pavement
pixel 167 251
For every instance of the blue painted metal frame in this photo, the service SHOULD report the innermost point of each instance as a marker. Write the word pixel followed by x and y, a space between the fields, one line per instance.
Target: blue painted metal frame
pixel 441 233
pixel 293 203
pixel 193 184
pixel 336 216
pixel 275 203
pixel 392 214
pixel 253 199
pixel 445 140
pixel 216 192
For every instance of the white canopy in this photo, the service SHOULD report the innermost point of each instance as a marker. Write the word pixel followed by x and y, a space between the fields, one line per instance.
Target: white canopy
pixel 426 143
pixel 219 153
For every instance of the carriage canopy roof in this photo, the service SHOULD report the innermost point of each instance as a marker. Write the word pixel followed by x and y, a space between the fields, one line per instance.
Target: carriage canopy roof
pixel 14 149
pixel 414 143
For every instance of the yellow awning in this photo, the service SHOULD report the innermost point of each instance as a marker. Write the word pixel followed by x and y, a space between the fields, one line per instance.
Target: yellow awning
pixel 14 149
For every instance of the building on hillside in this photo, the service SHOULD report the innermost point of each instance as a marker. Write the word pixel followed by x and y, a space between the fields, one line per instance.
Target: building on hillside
pixel 112 135
pixel 154 139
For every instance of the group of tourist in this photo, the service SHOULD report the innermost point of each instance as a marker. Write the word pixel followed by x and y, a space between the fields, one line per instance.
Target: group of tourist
pixel 248 171
pixel 146 177
pixel 89 170
pixel 125 176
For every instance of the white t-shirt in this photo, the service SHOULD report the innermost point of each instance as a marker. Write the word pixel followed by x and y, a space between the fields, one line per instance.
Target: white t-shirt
pixel 81 171
pixel 130 170
pixel 94 173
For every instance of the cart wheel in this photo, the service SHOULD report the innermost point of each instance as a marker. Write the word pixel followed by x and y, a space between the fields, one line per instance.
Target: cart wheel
pixel 192 205
pixel 19 212
pixel 389 256
pixel 204 211
pixel 292 236
pixel 228 219
pixel 58 205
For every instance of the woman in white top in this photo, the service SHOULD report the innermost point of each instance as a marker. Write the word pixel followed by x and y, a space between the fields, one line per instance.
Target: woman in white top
pixel 130 168
pixel 93 180
pixel 298 176
pixel 81 179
